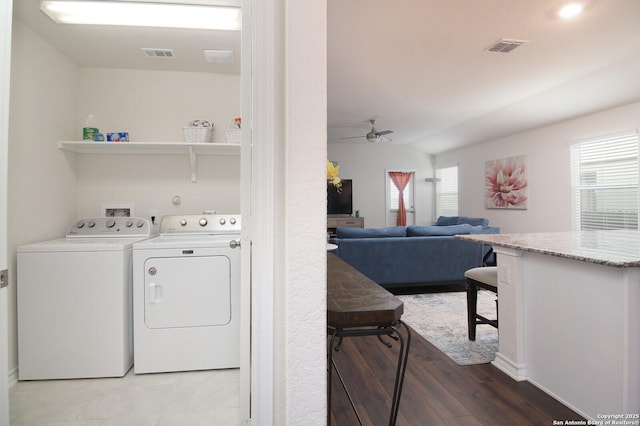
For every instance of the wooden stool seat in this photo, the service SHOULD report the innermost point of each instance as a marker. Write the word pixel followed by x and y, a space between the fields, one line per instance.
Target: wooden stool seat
pixel 485 277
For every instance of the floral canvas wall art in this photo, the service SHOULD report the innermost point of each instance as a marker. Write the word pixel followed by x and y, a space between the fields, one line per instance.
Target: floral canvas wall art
pixel 506 183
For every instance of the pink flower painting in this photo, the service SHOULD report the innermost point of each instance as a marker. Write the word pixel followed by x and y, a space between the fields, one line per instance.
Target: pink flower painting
pixel 506 183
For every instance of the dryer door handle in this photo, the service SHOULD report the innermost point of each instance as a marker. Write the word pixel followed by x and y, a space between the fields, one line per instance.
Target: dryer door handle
pixel 155 293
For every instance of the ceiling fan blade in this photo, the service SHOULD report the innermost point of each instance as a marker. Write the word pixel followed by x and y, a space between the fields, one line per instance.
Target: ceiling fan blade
pixel 353 137
pixel 384 132
pixel 379 139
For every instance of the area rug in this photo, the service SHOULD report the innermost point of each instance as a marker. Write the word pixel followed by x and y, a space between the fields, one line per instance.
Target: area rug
pixel 441 318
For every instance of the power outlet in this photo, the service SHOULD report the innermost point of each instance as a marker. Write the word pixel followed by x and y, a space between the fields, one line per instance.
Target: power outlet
pixel 153 216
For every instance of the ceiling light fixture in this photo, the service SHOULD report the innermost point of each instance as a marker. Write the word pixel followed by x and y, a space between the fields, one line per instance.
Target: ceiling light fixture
pixel 217 56
pixel 142 14
pixel 570 10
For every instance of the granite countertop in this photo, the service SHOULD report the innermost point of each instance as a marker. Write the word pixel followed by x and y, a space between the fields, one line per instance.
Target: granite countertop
pixel 619 248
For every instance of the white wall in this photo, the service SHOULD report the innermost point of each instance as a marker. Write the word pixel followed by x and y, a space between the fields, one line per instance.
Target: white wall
pixel 303 308
pixel 366 163
pixel 547 150
pixel 155 106
pixel 42 185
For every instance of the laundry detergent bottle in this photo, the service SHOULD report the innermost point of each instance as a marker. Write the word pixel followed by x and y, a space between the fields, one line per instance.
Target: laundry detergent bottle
pixel 89 130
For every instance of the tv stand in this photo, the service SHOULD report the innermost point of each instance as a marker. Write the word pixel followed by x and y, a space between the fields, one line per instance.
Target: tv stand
pixel 340 221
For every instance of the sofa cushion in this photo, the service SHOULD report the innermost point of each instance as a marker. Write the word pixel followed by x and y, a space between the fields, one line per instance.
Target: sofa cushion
pixel 473 221
pixel 425 231
pixel 446 220
pixel 459 220
pixel 392 231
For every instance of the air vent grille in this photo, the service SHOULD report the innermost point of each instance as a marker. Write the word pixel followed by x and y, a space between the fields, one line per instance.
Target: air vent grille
pixel 158 53
pixel 505 45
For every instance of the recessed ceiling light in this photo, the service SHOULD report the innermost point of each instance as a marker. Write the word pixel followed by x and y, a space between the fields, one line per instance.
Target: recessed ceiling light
pixel 142 14
pixel 570 10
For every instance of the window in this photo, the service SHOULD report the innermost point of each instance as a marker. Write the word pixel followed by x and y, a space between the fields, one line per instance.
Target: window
pixel 604 182
pixel 447 191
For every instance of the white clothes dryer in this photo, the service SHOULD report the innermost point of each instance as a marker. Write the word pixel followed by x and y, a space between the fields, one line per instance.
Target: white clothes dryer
pixel 75 301
pixel 186 295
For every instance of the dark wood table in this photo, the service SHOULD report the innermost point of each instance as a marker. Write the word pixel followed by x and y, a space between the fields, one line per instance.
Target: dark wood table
pixel 357 306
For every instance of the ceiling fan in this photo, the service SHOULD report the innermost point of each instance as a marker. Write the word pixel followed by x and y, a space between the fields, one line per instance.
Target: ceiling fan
pixel 374 136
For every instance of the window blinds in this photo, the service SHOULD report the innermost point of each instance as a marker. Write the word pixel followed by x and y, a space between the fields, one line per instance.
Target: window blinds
pixel 604 181
pixel 447 191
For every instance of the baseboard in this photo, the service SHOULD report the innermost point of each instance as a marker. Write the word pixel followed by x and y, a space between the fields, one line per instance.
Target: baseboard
pixel 516 372
pixel 13 377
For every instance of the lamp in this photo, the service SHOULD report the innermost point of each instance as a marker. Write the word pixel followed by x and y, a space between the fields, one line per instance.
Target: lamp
pixel 142 14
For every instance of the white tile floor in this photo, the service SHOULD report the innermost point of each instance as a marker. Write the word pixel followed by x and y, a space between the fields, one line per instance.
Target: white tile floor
pixel 169 399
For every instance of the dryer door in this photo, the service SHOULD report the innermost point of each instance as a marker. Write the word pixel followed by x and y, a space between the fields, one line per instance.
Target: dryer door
pixel 187 291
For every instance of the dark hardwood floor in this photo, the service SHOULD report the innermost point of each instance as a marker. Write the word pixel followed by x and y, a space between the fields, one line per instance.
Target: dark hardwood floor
pixel 437 391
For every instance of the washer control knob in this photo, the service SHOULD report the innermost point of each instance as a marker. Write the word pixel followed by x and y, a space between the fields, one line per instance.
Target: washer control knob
pixel 80 224
pixel 232 221
pixel 139 224
pixel 183 222
pixel 110 223
pixel 153 271
pixel 91 223
pixel 129 224
pixel 203 222
pixel 222 221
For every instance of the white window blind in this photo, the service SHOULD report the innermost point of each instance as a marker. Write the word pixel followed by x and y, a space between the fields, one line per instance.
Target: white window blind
pixel 604 181
pixel 447 191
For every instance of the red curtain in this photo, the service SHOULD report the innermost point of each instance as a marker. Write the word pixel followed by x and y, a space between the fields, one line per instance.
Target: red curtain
pixel 400 180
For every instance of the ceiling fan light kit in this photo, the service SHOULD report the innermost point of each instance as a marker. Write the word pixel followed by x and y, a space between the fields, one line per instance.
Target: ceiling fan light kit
pixel 374 136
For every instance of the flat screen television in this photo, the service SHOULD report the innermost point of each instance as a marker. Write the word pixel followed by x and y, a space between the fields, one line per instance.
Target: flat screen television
pixel 340 202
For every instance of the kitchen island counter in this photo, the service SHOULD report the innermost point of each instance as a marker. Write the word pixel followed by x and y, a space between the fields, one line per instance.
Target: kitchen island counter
pixel 569 308
pixel 619 248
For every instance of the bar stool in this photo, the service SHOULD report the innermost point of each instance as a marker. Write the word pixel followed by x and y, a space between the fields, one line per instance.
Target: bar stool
pixel 485 277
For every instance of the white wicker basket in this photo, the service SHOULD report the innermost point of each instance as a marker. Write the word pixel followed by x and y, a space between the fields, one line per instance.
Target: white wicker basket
pixel 233 135
pixel 197 134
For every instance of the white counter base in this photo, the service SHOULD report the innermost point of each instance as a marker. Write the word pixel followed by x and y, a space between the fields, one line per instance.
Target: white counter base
pixel 572 328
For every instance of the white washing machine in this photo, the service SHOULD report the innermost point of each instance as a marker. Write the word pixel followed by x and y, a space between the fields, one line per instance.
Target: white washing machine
pixel 75 301
pixel 186 295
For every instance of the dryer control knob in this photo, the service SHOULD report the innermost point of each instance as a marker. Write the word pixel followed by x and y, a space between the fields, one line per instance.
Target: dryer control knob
pixel 110 223
pixel 203 222
pixel 80 224
pixel 183 222
pixel 129 224
pixel 91 223
pixel 222 221
pixel 139 224
pixel 232 220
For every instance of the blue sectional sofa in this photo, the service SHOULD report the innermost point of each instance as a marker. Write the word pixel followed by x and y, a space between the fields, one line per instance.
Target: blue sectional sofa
pixel 414 255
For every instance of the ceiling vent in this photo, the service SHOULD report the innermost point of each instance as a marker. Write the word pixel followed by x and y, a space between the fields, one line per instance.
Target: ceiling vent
pixel 158 53
pixel 505 45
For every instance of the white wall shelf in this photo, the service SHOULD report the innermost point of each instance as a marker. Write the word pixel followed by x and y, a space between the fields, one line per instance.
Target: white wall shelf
pixel 174 148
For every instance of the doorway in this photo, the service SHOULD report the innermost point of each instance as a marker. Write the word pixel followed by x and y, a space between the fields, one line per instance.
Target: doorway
pixel 58 122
